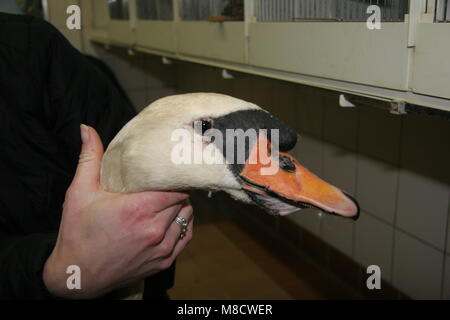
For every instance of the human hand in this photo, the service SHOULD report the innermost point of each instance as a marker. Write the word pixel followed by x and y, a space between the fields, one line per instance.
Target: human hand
pixel 115 239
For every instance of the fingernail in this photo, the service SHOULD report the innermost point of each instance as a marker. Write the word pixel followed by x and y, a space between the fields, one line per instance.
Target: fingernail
pixel 84 131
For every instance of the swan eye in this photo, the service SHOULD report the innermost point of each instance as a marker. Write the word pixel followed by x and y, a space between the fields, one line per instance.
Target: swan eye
pixel 206 125
pixel 202 126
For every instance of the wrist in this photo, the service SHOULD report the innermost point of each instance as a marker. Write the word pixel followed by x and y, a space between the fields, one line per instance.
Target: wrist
pixel 56 278
pixel 53 278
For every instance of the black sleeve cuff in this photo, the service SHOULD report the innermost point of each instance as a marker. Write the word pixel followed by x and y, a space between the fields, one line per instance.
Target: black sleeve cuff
pixel 22 261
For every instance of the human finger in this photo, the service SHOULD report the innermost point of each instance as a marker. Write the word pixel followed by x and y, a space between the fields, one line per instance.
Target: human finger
pixel 175 230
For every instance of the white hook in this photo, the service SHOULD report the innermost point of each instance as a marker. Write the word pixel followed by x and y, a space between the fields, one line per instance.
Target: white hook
pixel 344 103
pixel 226 74
pixel 166 60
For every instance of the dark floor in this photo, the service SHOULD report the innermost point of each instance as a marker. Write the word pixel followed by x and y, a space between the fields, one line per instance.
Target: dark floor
pixel 225 262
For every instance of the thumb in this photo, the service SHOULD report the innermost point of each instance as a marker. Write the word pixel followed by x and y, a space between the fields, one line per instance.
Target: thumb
pixel 87 175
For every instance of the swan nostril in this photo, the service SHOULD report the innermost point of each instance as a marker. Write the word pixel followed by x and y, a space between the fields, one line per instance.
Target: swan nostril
pixel 286 164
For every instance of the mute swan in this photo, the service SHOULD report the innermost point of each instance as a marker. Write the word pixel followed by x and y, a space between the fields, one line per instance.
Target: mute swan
pixel 140 157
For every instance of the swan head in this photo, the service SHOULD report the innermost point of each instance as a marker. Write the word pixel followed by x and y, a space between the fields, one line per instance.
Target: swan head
pixel 215 142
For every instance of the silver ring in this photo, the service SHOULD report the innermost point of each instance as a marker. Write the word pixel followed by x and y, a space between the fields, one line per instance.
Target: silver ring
pixel 183 223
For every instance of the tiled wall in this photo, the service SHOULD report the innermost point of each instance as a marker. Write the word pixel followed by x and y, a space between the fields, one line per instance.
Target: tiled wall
pixel 396 166
pixel 145 78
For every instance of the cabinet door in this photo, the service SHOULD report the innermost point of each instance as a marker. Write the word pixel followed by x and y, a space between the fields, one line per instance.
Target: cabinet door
pixel 334 50
pixel 431 73
pixel 331 39
pixel 212 29
pixel 119 26
pixel 155 28
pixel 221 41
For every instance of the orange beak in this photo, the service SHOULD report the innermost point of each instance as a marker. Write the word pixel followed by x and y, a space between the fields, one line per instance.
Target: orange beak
pixel 290 184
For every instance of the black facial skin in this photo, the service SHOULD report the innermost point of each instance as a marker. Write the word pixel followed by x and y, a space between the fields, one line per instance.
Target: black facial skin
pixel 253 119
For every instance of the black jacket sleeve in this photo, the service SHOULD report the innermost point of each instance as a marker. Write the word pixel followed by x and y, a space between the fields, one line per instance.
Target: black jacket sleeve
pixel 22 260
pixel 47 89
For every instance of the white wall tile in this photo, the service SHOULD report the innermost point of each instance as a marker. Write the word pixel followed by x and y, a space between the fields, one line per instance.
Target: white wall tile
pixel 107 56
pixel 154 94
pixel 374 243
pixel 340 124
pixel 424 179
pixel 417 267
pixel 190 77
pixel 283 102
pixel 379 134
pixel 141 98
pixel 261 89
pixel 308 219
pixel 309 152
pixel 310 105
pixel 338 232
pixel 422 207
pixel 213 81
pixel 157 73
pixel 425 146
pixel 153 80
pixel 446 291
pixel 89 47
pixel 447 249
pixel 340 167
pixel 242 87
pixel 138 98
pixel 128 70
pixel 377 187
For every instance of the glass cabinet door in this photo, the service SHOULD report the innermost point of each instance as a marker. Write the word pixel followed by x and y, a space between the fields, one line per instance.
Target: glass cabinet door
pixel 154 9
pixel 212 29
pixel 118 9
pixel 120 23
pixel 229 10
pixel 155 27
